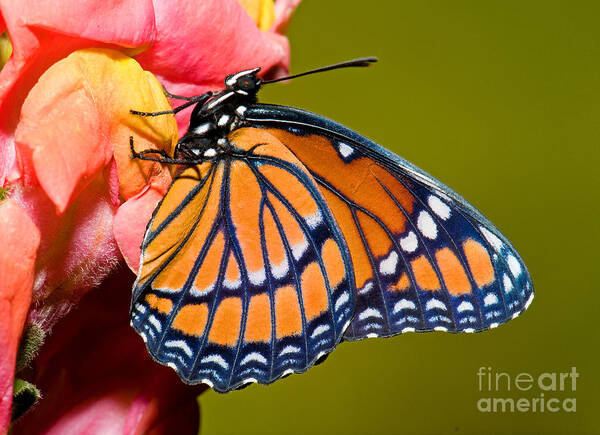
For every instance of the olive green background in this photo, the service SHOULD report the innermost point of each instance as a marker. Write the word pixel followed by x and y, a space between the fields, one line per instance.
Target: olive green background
pixel 500 101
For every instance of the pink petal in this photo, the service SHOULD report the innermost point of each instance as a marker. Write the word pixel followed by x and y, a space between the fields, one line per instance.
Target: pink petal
pixel 283 12
pixel 130 222
pixel 77 248
pixel 44 32
pixel 131 21
pixel 64 134
pixel 199 43
pixel 20 239
pixel 96 377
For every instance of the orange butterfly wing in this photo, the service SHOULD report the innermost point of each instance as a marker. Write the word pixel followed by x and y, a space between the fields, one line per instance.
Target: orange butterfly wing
pixel 244 273
pixel 423 258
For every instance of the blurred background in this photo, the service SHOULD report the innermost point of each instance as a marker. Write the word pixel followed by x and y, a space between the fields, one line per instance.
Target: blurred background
pixel 500 101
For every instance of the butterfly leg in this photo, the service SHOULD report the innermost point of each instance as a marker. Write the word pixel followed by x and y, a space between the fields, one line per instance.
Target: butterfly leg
pixel 164 157
pixel 164 112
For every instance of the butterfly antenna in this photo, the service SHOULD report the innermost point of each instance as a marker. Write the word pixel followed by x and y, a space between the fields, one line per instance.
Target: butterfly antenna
pixel 363 61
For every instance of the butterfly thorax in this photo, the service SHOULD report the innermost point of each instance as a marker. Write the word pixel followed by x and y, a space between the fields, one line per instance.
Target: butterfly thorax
pixel 216 115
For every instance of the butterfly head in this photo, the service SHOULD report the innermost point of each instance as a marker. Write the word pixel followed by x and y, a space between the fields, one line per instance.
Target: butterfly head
pixel 244 83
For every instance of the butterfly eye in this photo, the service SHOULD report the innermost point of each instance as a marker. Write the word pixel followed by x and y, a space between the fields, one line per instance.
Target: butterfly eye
pixel 246 83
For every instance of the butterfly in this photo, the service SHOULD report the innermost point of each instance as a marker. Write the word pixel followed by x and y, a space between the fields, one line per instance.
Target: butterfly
pixel 286 233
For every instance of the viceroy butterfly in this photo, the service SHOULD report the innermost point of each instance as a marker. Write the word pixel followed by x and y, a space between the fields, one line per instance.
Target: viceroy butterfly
pixel 286 233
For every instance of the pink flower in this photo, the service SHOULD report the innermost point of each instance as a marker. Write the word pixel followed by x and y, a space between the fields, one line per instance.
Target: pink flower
pixel 16 280
pixel 78 205
pixel 96 376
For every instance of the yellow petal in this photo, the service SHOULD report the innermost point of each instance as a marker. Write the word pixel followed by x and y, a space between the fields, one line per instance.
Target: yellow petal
pixel 261 11
pixel 120 84
pixel 5 49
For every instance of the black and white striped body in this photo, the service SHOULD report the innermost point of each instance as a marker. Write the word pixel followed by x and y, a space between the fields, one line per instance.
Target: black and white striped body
pixel 220 114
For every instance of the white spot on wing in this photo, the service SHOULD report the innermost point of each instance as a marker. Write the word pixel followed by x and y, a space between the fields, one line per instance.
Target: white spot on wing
pixel 140 308
pixel 426 225
pixel 514 265
pixel 438 207
pixel 434 303
pixel 254 356
pixel 258 277
pixel 280 270
pixel 299 249
pixel 289 349
pixel 344 297
pixel 217 359
pixel 197 292
pixel 370 312
pixel 314 219
pixel 180 344
pixel 155 322
pixel 508 285
pixel 366 289
pixel 232 284
pixel 345 150
pixel 491 238
pixel 529 301
pixel 409 243
pixel 321 329
pixel 465 306
pixel 490 299
pixel 404 304
pixel 388 266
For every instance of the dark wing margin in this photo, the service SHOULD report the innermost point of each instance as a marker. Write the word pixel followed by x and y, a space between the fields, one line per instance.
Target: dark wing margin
pixel 424 259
